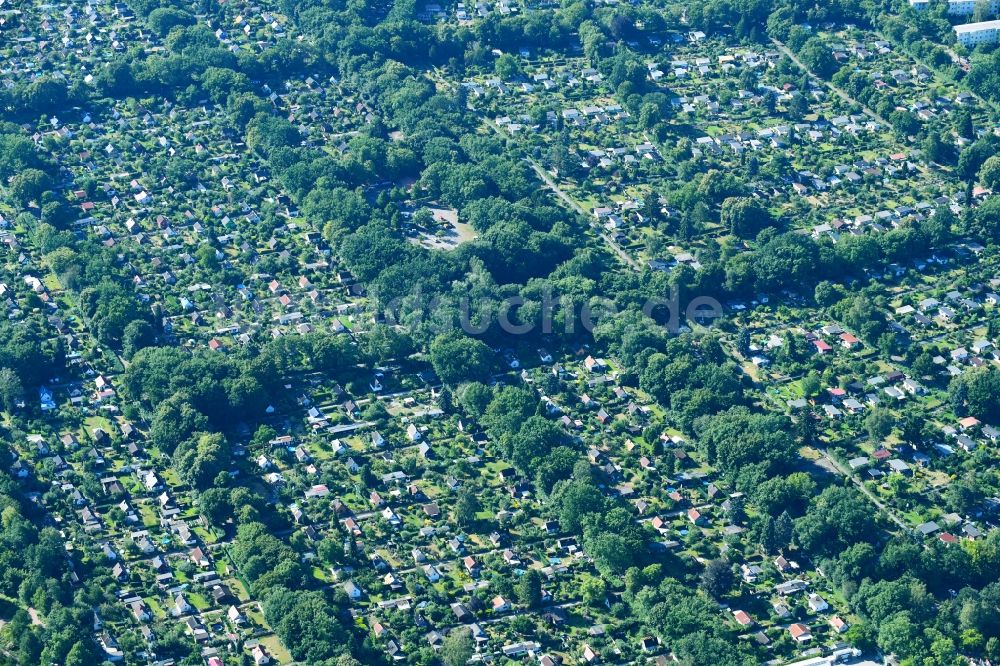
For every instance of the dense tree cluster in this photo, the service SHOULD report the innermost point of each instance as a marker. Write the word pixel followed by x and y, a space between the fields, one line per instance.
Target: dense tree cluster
pixel 36 574
pixel 745 446
pixel 221 388
pixel 977 393
pixel 426 135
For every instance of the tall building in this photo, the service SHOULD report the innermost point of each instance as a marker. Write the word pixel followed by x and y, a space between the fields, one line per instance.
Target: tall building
pixel 957 7
pixel 971 34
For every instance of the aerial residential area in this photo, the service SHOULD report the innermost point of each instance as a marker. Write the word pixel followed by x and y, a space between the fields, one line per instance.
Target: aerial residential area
pixel 500 332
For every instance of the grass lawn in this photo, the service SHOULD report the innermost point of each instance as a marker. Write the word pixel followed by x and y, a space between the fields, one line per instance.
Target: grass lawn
pixel 276 649
pixel 148 516
pixel 92 422
pixel 199 601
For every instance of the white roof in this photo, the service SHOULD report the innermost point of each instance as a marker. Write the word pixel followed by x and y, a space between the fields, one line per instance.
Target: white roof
pixel 976 27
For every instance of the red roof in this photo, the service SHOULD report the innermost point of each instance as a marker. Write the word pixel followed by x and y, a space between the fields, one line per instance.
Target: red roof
pixel 822 346
pixel 797 630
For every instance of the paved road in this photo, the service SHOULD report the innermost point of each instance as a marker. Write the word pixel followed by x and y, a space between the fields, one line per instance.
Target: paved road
pixel 837 91
pixel 867 493
pixel 568 200
pixel 573 205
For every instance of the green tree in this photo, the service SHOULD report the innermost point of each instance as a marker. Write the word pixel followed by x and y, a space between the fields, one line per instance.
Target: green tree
pixel 593 590
pixel 81 654
pixel 573 501
pixel 717 579
pixel 214 504
pixel 28 186
pixel 466 507
pixel 818 57
pixel 905 123
pixel 879 424
pixel 936 150
pixel 963 496
pixel 977 392
pixel 137 334
pixel 200 459
pixel 385 343
pixel 744 216
pixel 836 518
pixel 163 19
pixel 811 385
pixel 458 647
pixel 474 398
pixel 306 623
pixel 963 124
pixel 174 421
pixel 507 67
pixel 529 588
pixel 990 173
pixel 457 358
pixel 536 438
pixel 614 541
pixel 11 389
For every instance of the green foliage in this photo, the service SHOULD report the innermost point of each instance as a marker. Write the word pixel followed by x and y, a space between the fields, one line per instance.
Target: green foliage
pixel 28 185
pixel 614 541
pixel 138 334
pixel 990 173
pixel 457 358
pixel 508 410
pixel 572 502
pixel 744 216
pixel 979 390
pixel 164 19
pixel 529 588
pixel 265 560
pixel 304 623
pixel 534 441
pixel 745 446
pixel 458 647
pixel 984 221
pixel 784 493
pixel 555 466
pixel 266 134
pixel 507 67
pixel 26 351
pixel 818 57
pixel 905 123
pixel 717 579
pixel 111 307
pixel 787 260
pixel 466 507
pixel 836 519
pixel 218 386
pixel 199 460
pixel 11 389
pixel 18 154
